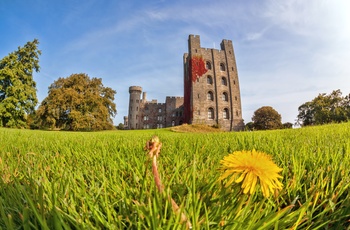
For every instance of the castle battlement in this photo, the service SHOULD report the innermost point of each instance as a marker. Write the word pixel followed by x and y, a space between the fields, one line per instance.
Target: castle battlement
pixel 153 101
pixel 135 88
pixel 222 107
pixel 194 36
pixel 172 97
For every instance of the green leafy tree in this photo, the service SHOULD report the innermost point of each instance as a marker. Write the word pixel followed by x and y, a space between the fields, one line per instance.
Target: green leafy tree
pixel 120 126
pixel 78 102
pixel 346 105
pixel 325 109
pixel 249 126
pixel 287 125
pixel 266 118
pixel 17 88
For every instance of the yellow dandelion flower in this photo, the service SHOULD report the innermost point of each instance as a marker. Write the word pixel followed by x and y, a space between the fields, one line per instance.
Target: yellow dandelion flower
pixel 252 168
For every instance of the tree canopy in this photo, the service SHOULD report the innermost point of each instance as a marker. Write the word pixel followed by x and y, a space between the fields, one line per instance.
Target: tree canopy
pixel 266 118
pixel 325 109
pixel 78 102
pixel 17 87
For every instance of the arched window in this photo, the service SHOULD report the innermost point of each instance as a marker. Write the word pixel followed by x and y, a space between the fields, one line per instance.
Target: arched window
pixel 225 114
pixel 223 81
pixel 210 96
pixel 173 123
pixel 209 80
pixel 208 65
pixel 210 113
pixel 222 66
pixel 224 96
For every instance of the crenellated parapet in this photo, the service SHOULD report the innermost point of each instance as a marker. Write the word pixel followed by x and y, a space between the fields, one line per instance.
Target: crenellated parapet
pixel 211 92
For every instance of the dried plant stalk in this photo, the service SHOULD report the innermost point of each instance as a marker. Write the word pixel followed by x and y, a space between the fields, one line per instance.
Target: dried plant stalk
pixel 153 146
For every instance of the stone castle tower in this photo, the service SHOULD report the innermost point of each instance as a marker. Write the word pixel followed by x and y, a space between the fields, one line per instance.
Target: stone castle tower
pixel 211 87
pixel 134 107
pixel 211 93
pixel 145 114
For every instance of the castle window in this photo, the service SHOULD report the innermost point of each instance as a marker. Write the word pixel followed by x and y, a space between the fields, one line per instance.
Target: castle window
pixel 237 113
pixel 159 126
pixel 236 98
pixel 233 69
pixel 160 118
pixel 223 81
pixel 208 65
pixel 137 108
pixel 222 66
pixel 234 82
pixel 210 96
pixel 225 114
pixel 146 126
pixel 209 80
pixel 145 118
pixel 210 113
pixel 173 123
pixel 159 110
pixel 224 96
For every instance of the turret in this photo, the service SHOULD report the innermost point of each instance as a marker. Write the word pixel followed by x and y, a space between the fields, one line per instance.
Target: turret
pixel 134 107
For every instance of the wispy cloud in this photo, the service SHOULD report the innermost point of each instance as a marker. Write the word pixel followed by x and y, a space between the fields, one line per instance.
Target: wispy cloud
pixel 287 51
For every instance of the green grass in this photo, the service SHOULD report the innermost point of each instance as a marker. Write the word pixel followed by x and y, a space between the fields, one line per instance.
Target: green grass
pixel 68 180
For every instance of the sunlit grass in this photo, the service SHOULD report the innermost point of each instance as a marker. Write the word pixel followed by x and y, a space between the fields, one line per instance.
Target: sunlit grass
pixel 100 180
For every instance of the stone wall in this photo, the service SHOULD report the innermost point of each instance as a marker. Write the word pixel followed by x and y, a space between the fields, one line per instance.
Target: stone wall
pixel 211 93
pixel 212 98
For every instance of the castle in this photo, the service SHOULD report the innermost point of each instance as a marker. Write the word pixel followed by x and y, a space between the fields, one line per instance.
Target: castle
pixel 211 93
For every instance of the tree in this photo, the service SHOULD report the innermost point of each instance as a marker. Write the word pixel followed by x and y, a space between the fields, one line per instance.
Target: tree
pixel 249 126
pixel 325 109
pixel 17 87
pixel 287 125
pixel 78 103
pixel 266 118
pixel 120 126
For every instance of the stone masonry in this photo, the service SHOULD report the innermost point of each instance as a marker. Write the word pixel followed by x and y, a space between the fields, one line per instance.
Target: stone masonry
pixel 211 93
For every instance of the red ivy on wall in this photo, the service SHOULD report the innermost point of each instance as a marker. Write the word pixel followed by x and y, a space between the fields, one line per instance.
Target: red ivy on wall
pixel 197 66
pixel 196 69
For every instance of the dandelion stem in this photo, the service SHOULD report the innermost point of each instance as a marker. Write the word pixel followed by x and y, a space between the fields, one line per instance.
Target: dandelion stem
pixel 154 146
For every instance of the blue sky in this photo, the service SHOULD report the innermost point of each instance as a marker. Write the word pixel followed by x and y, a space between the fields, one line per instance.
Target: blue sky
pixel 287 51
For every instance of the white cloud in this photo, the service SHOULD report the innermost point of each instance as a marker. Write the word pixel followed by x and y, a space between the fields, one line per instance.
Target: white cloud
pixel 287 51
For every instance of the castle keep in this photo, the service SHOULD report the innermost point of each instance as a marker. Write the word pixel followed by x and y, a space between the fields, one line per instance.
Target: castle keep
pixel 145 114
pixel 211 93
